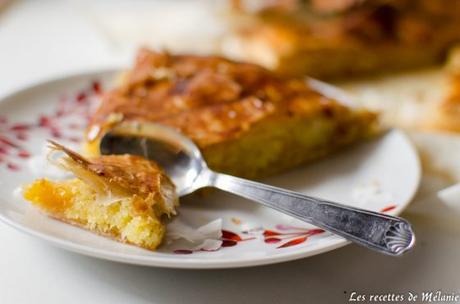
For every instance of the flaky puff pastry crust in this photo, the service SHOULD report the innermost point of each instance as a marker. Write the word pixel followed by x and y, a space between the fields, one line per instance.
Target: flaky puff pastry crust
pixel 246 120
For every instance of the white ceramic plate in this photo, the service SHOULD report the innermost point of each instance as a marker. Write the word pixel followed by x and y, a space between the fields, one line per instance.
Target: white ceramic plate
pixel 382 175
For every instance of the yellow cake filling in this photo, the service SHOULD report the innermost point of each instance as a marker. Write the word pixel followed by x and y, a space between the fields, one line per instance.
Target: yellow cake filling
pixel 77 202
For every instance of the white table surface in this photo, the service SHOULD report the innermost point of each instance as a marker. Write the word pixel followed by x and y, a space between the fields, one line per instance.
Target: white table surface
pixel 42 39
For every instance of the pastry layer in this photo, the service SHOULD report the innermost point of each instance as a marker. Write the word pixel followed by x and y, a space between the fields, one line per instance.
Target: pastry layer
pixel 246 120
pixel 123 197
pixel 336 39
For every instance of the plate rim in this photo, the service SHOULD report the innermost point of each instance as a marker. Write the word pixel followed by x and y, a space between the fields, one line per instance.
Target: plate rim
pixel 190 262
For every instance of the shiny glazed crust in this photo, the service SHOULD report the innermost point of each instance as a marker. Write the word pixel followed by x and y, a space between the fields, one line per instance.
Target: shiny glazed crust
pixel 245 120
pixel 446 115
pixel 335 39
pixel 131 173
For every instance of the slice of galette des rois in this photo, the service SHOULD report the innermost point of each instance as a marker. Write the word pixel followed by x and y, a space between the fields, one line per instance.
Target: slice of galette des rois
pixel 124 197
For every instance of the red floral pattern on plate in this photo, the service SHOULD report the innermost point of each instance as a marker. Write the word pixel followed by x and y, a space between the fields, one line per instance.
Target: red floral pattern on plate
pixel 228 238
pixel 388 208
pixel 59 125
pixel 284 236
pixel 289 236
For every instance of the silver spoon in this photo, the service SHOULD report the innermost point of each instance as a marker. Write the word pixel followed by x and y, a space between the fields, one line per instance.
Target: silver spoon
pixel 183 162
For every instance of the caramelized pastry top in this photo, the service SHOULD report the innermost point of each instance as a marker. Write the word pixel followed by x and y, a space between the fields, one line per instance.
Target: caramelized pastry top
pixel 132 174
pixel 210 99
pixel 453 98
pixel 410 22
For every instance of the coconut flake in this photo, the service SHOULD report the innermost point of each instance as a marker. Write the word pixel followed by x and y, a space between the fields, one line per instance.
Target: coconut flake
pixel 17 192
pixel 451 196
pixel 177 229
pixel 209 245
pixel 206 237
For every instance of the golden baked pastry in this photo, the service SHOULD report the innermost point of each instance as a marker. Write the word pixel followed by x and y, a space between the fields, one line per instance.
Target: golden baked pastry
pixel 335 39
pixel 445 116
pixel 246 121
pixel 124 197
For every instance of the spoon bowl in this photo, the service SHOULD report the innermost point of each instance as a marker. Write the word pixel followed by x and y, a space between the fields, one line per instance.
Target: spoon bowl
pixel 175 153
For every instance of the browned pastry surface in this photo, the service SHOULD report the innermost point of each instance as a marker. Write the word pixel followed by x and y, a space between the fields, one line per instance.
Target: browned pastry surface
pixel 349 37
pixel 233 111
pixel 446 115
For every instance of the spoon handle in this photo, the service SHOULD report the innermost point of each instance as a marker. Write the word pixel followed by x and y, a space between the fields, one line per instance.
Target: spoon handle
pixel 384 233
